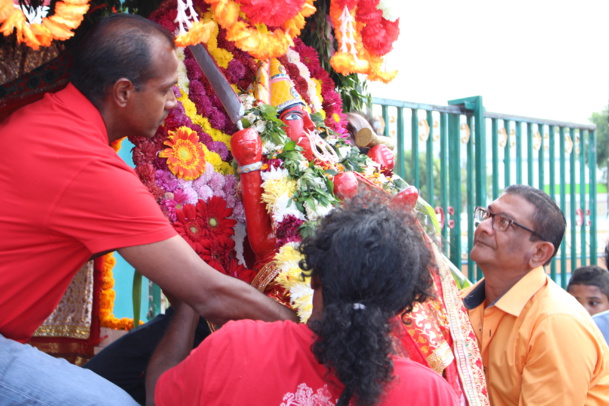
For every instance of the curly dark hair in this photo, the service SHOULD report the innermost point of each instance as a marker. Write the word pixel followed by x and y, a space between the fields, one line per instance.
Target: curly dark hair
pixel 371 259
pixel 117 46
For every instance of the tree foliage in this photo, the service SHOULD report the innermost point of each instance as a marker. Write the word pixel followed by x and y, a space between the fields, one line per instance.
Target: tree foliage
pixel 601 120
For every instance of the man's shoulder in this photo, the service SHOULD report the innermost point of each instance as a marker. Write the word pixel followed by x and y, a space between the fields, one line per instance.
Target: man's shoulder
pixel 553 300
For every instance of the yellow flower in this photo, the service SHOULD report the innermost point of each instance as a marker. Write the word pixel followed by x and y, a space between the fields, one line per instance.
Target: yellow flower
pixel 185 156
pixel 216 160
pixel 291 278
pixel 275 188
pixel 200 32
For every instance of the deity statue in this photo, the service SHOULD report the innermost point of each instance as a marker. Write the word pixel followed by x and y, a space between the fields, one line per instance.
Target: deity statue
pixel 293 166
pixel 436 333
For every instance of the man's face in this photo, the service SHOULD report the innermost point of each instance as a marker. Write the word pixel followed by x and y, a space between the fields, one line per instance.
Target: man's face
pixel 509 250
pixel 155 99
pixel 298 122
pixel 591 297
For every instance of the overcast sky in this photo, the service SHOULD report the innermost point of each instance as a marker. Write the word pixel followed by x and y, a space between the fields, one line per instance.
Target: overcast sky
pixel 536 58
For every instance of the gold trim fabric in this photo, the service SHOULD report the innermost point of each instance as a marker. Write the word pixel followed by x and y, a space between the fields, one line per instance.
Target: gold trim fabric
pixel 72 317
pixel 19 59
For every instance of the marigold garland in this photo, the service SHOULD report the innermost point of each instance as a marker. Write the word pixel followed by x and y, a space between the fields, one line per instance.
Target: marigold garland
pixel 107 297
pixel 260 40
pixel 68 16
pixel 352 20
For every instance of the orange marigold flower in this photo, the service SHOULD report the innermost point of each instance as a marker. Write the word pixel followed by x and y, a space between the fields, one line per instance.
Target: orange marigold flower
pixel 185 156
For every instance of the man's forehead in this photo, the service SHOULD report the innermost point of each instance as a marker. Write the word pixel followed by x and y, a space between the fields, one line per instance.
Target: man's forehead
pixel 513 205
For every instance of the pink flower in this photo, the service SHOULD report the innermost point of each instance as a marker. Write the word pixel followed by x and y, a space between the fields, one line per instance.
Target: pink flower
pixel 216 182
pixel 166 180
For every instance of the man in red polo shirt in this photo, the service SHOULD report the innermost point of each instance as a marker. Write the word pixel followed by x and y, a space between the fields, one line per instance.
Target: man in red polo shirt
pixel 67 197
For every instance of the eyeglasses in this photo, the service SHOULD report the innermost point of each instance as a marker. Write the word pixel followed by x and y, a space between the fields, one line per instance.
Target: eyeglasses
pixel 499 222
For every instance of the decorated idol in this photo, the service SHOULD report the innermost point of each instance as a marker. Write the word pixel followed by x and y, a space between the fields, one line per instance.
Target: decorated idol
pixel 243 193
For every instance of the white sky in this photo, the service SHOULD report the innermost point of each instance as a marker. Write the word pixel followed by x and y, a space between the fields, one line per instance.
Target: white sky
pixel 536 58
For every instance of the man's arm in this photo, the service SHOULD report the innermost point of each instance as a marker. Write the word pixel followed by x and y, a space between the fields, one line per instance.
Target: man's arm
pixel 178 270
pixel 175 345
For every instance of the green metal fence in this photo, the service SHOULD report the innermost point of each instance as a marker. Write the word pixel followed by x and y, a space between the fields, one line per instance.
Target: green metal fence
pixel 460 156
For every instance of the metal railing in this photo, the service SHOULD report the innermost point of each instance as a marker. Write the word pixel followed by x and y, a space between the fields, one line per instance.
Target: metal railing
pixel 460 156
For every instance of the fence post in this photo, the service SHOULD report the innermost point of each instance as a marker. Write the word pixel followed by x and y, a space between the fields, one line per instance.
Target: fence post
pixel 474 106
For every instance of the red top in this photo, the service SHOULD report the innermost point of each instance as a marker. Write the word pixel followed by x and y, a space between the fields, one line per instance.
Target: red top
pixel 271 364
pixel 64 195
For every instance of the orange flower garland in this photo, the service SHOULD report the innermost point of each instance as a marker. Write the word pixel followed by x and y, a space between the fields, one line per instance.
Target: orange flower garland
pixel 352 56
pixel 185 155
pixel 259 40
pixel 67 17
pixel 107 296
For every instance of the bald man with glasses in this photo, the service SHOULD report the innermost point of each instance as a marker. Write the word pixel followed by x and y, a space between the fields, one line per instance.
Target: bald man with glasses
pixel 539 345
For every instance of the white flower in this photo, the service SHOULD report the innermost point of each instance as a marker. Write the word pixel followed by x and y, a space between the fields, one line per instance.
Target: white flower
pixel 260 126
pixel 247 100
pixel 183 81
pixel 274 174
pixel 34 15
pixel 317 212
pixel 268 148
pixel 285 206
pixel 343 151
pixel 389 9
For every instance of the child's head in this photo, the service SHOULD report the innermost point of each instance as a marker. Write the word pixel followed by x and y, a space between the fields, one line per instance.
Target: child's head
pixel 590 286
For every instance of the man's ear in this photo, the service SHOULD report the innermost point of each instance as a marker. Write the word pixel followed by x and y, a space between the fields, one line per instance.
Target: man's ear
pixel 541 252
pixel 121 91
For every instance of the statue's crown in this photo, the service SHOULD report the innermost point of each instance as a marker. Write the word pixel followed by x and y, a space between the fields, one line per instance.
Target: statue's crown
pixel 283 92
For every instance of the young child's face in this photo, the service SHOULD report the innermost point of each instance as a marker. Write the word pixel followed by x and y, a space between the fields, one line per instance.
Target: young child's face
pixel 590 297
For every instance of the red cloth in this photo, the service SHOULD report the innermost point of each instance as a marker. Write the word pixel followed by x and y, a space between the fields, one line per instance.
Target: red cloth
pixel 257 363
pixel 65 195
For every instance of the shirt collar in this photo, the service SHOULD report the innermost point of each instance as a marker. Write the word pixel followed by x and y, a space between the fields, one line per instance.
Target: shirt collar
pixel 514 300
pixel 476 296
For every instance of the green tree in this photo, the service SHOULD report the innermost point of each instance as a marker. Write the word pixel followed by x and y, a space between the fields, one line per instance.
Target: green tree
pixel 601 120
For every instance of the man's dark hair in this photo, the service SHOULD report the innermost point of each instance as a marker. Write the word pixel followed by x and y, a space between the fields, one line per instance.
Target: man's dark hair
pixel 548 220
pixel 117 46
pixel 371 259
pixel 591 275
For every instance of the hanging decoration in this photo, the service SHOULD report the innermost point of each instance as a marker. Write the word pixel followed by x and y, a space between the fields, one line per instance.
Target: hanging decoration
pixel 260 28
pixel 365 32
pixel 67 16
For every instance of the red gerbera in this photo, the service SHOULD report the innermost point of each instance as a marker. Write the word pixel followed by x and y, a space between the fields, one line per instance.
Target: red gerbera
pixel 190 226
pixel 218 251
pixel 213 215
pixel 239 271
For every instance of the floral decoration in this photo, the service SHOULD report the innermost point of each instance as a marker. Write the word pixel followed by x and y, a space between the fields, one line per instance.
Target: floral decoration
pixel 364 36
pixel 185 156
pixel 260 28
pixel 66 17
pixel 107 297
pixel 203 202
pixel 297 193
